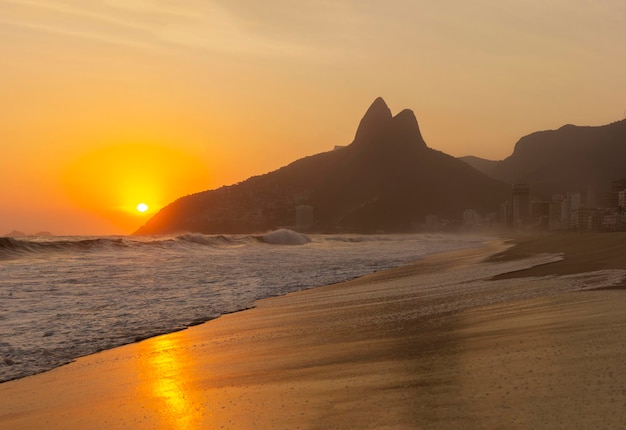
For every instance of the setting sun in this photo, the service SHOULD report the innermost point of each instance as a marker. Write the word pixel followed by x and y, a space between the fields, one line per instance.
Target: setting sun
pixel 116 181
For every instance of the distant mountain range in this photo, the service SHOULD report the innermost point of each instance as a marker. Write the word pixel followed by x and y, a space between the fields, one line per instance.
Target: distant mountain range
pixel 387 180
pixel 571 158
pixel 16 233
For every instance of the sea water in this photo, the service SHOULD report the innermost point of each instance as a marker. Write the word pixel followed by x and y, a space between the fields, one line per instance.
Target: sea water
pixel 61 298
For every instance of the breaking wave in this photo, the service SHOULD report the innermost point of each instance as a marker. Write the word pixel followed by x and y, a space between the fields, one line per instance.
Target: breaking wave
pixel 14 248
pixel 285 237
pixel 209 240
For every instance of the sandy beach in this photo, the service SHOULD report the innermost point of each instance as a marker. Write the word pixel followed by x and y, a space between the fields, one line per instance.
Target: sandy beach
pixel 356 355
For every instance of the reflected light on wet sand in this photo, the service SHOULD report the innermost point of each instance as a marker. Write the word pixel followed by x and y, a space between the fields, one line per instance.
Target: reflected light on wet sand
pixel 165 374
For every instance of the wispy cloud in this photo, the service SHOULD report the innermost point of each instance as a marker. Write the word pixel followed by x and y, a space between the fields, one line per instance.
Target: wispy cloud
pixel 74 19
pixel 272 30
pixel 486 36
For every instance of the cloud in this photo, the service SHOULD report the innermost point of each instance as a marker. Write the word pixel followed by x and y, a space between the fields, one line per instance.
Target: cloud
pixel 75 19
pixel 187 27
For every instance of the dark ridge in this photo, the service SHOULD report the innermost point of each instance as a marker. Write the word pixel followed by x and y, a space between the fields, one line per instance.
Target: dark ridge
pixel 572 158
pixel 406 128
pixel 387 179
pixel 375 120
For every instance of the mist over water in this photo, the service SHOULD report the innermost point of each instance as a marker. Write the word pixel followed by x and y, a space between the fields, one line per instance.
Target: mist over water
pixel 61 298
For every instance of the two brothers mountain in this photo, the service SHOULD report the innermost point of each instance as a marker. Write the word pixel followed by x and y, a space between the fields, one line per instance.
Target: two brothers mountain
pixel 388 180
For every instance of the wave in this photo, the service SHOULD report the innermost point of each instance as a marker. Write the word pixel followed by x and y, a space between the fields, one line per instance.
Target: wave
pixel 276 237
pixel 212 240
pixel 284 236
pixel 394 237
pixel 20 247
pixel 13 247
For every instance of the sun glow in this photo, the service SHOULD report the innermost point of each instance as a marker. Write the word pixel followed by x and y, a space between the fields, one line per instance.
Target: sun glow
pixel 112 180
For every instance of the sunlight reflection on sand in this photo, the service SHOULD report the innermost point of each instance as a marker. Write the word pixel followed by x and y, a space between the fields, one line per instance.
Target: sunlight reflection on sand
pixel 165 370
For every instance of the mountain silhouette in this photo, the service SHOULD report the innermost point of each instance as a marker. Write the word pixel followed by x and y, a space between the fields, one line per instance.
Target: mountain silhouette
pixel 387 179
pixel 571 158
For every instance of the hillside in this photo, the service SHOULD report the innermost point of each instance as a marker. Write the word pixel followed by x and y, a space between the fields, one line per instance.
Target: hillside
pixel 387 179
pixel 568 159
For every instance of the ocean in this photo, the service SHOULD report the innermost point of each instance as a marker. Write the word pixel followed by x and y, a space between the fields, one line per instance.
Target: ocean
pixel 65 297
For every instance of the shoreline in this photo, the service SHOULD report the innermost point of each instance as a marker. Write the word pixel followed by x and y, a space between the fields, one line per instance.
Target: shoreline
pixel 341 356
pixel 583 252
pixel 211 276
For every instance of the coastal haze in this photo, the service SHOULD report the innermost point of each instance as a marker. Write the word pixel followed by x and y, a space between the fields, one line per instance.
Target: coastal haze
pixel 109 104
pixel 312 215
pixel 386 180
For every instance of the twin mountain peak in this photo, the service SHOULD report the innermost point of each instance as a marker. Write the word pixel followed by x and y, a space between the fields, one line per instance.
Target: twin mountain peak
pixel 388 180
pixel 379 126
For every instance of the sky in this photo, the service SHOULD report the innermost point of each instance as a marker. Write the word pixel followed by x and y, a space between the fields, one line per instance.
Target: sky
pixel 106 104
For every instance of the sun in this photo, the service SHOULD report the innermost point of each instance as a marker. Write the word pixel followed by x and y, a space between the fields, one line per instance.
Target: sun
pixel 125 183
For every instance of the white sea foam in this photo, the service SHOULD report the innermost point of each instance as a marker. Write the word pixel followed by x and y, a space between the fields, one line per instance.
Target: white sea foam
pixel 285 237
pixel 61 298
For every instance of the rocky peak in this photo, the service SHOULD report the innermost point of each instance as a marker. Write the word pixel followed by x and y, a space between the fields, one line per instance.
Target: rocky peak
pixel 405 128
pixel 379 126
pixel 375 120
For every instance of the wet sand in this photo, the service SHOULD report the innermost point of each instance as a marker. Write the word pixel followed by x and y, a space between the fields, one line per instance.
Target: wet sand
pixel 341 357
pixel 583 252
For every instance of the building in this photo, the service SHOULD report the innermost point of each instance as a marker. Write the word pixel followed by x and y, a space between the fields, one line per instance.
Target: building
pixel 609 219
pixel 567 211
pixel 472 219
pixel 540 214
pixel 585 219
pixel 432 223
pixel 611 199
pixel 304 217
pixel 520 206
pixel 568 207
pixel 554 214
pixel 505 214
pixel 619 185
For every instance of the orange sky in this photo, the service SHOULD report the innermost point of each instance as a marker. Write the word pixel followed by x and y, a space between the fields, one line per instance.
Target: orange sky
pixel 105 104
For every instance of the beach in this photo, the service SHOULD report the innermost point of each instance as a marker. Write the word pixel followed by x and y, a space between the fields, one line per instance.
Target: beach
pixel 360 355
